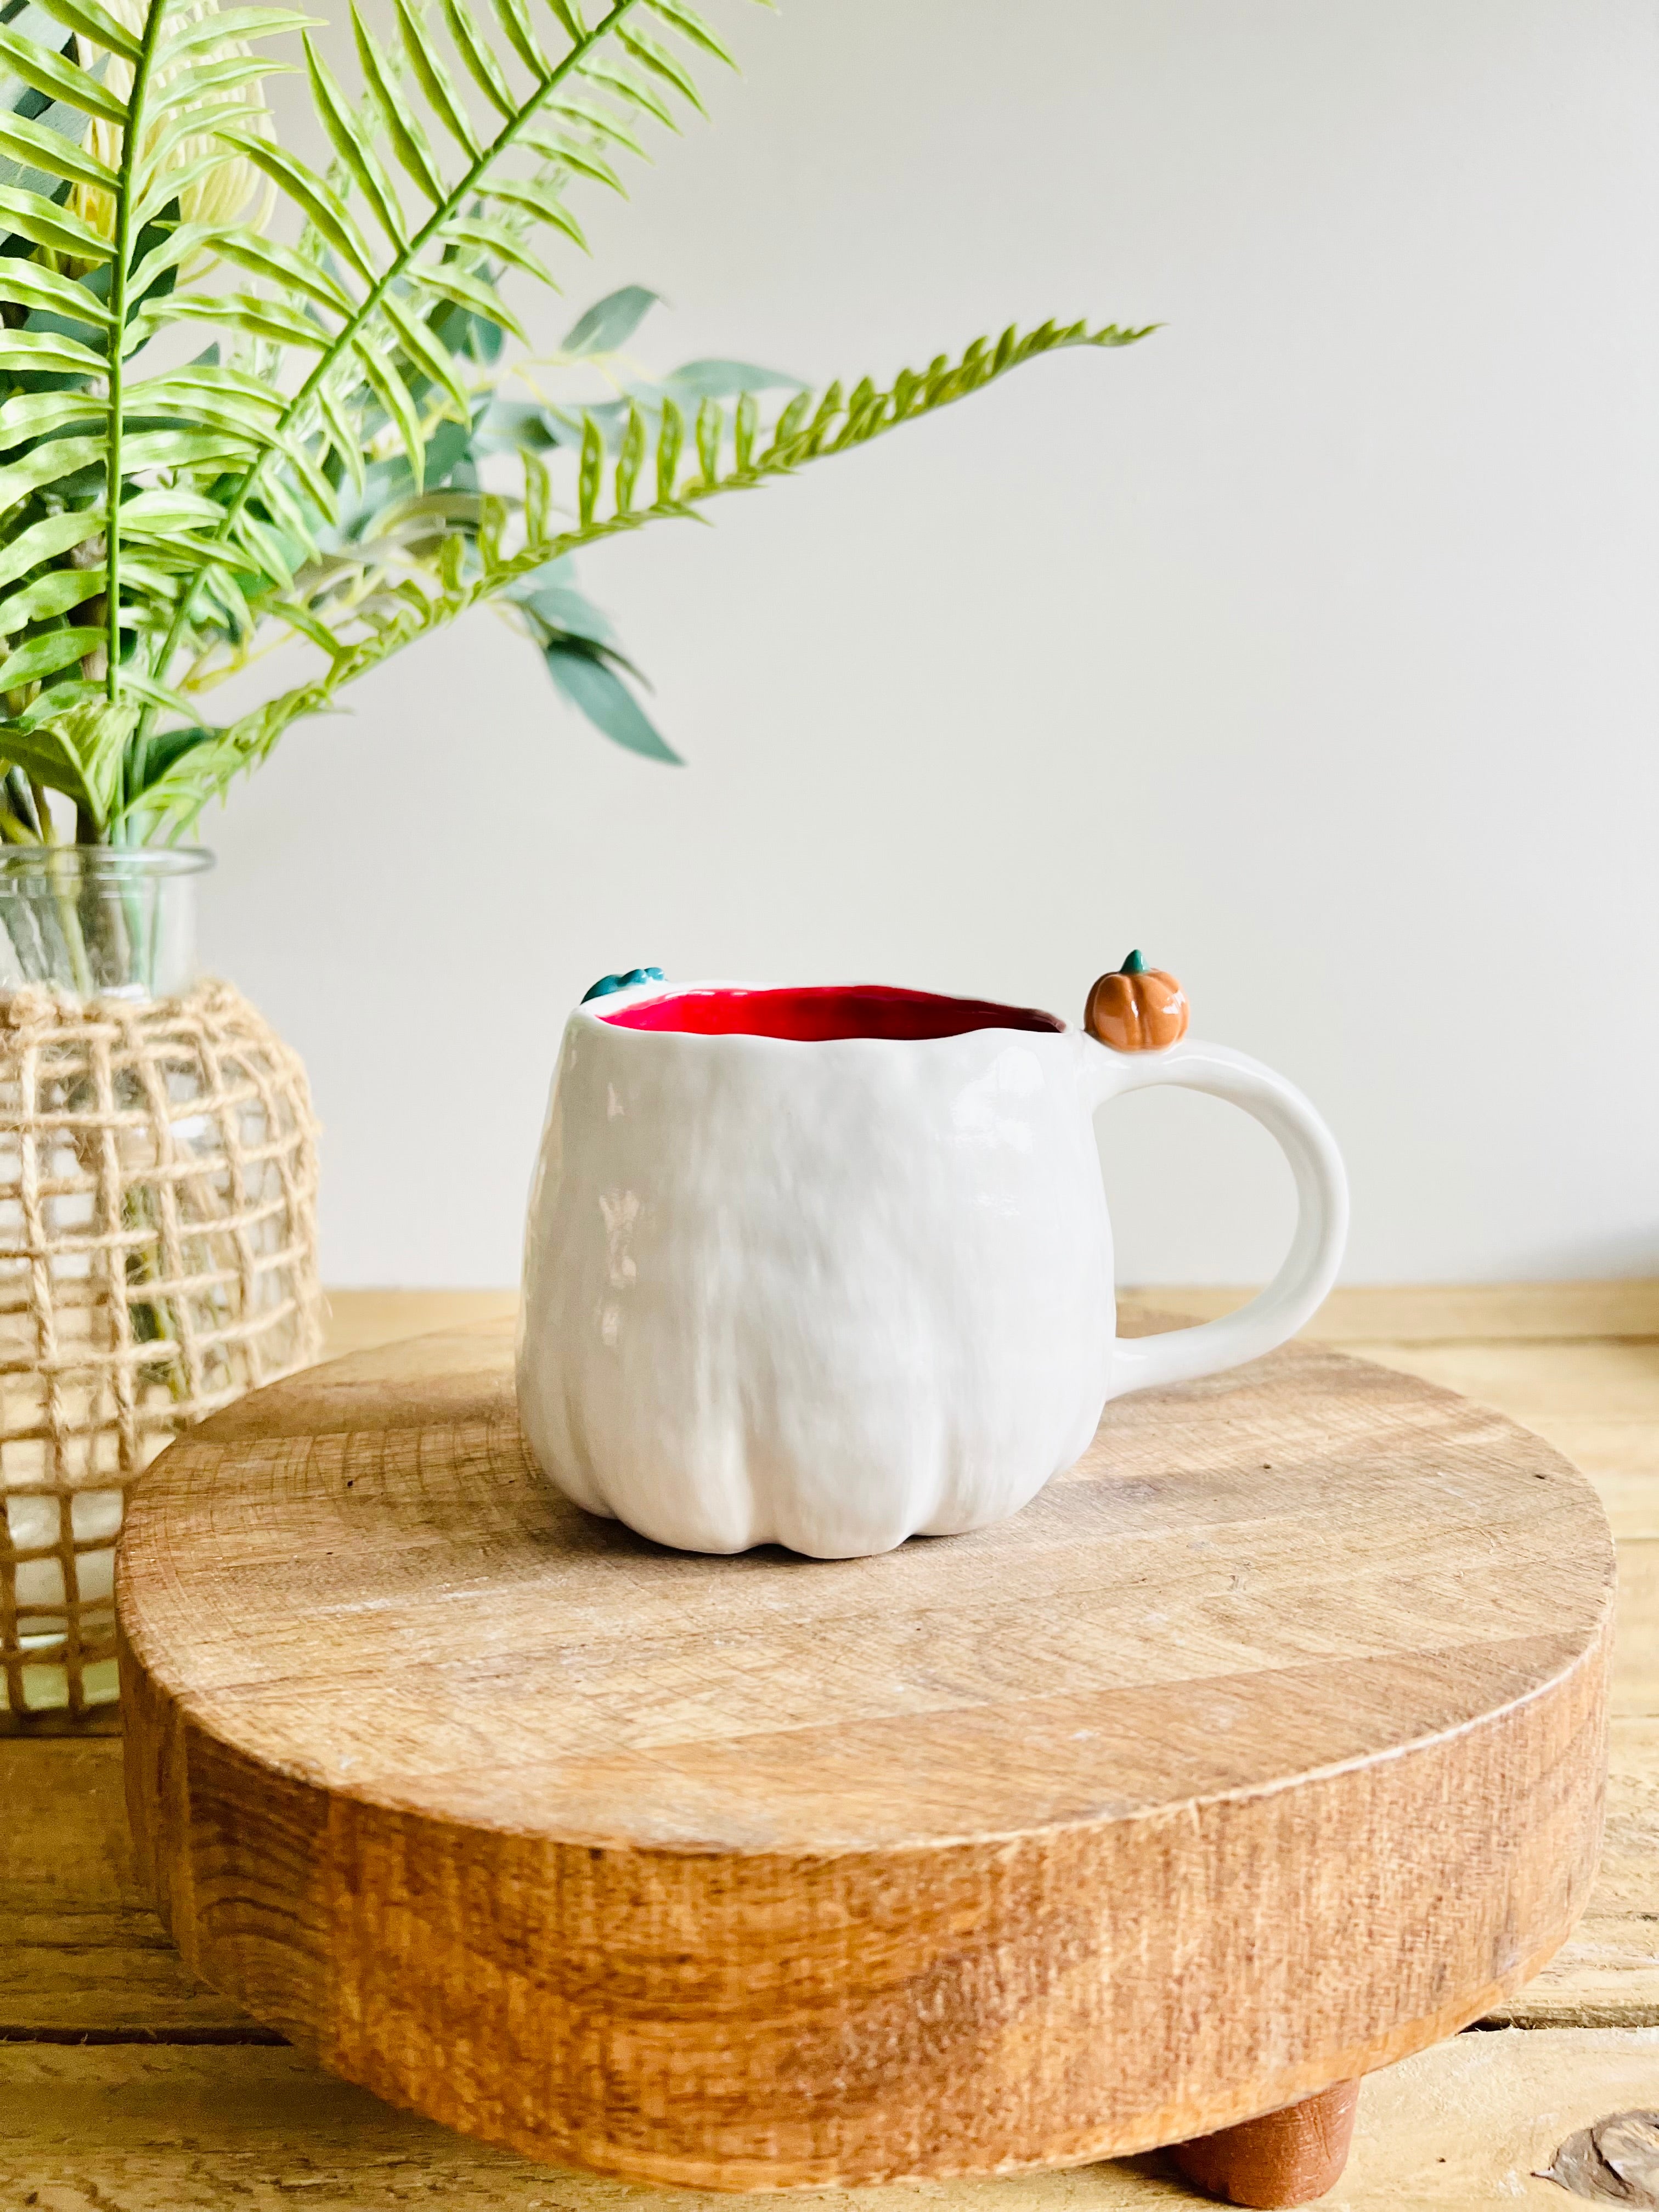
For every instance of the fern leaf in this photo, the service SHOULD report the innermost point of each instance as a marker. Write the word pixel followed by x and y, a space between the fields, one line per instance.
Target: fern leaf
pixel 47 540
pixel 593 460
pixel 221 74
pixel 181 389
pixel 515 22
pixel 394 396
pixel 661 62
pixel 343 433
pixel 45 223
pixel 710 424
pixel 183 33
pixel 604 73
pixel 823 417
pixel 175 247
pixel 160 695
pixel 93 22
pixel 310 476
pixel 479 63
pixel 537 495
pixel 569 21
pixel 787 426
pixel 169 508
pixel 59 79
pixel 33 284
pixel 35 145
pixel 629 459
pixel 538 199
pixel 207 410
pixel 428 355
pixel 402 126
pixel 745 420
pixel 253 312
pixel 25 353
pixel 282 266
pixel 322 208
pixel 54 594
pixel 557 147
pixel 671 437
pixel 500 239
pixel 44 654
pixel 435 81
pixel 287 513
pixel 266 547
pixel 179 449
pixel 450 283
pixel 600 120
pixel 690 25
pixel 356 155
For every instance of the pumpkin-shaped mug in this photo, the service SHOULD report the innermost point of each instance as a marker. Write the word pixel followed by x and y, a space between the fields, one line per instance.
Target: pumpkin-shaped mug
pixel 830 1267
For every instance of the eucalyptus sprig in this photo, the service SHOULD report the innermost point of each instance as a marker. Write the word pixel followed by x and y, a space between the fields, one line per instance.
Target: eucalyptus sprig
pixel 342 466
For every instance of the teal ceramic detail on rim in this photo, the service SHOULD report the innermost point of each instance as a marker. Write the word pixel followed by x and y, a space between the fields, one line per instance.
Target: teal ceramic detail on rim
pixel 606 984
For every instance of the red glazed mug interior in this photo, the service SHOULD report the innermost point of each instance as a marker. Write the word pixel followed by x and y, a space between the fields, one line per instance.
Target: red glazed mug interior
pixel 821 1013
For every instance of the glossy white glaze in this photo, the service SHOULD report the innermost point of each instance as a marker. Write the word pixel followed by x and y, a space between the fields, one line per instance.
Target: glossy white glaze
pixel 831 1295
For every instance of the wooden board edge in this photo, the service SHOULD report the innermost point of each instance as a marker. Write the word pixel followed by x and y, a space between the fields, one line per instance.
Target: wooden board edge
pixel 295 2000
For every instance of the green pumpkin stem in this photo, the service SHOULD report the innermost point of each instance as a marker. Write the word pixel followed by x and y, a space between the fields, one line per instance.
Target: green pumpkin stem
pixel 1134 965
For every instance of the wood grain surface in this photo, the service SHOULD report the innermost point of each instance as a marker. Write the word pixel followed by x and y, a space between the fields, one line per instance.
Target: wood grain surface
pixel 83 1955
pixel 1470 2124
pixel 1262 1750
pixel 1432 1314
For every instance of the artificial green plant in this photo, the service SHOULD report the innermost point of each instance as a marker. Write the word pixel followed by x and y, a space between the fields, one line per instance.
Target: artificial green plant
pixel 324 475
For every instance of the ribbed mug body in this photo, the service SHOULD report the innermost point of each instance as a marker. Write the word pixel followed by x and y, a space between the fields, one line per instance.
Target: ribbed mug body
pixel 826 1294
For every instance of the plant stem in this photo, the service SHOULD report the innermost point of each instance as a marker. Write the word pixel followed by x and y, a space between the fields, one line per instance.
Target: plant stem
pixel 132 136
pixel 142 1266
pixel 13 912
pixel 399 264
pixel 74 944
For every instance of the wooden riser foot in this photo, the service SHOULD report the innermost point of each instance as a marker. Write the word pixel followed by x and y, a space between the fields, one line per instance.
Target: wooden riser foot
pixel 1287 2157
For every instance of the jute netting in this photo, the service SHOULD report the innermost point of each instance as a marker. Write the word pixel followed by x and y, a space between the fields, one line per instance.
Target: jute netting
pixel 158 1175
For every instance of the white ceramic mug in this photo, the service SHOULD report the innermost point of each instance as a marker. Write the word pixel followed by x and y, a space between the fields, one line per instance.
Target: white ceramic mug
pixel 832 1267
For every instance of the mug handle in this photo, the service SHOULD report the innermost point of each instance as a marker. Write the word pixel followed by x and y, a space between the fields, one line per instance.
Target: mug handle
pixel 1296 1292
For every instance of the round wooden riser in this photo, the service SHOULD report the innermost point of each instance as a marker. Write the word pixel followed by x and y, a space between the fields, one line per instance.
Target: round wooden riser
pixel 1264 1748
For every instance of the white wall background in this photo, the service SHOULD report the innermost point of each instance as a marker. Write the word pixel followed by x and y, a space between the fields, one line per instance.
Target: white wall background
pixel 1312 647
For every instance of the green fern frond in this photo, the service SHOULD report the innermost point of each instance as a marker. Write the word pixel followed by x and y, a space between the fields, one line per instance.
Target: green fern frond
pixel 313 472
pixel 369 338
pixel 810 428
pixel 81 307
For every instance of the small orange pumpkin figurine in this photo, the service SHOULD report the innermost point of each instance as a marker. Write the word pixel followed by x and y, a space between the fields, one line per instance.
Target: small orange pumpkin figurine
pixel 1138 1009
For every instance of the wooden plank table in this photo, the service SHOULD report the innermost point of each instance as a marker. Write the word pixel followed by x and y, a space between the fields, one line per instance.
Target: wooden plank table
pixel 126 2088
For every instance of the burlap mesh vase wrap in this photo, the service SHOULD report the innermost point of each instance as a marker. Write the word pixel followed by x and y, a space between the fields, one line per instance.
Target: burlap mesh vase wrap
pixel 158 1173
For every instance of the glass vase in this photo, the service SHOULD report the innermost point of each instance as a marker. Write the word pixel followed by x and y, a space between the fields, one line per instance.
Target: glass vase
pixel 99 921
pixel 157 1243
